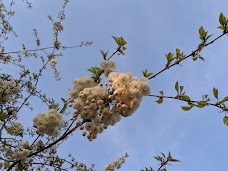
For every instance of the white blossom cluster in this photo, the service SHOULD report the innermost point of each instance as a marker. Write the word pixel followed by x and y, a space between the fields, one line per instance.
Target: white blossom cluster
pixel 9 91
pixel 15 129
pixel 127 91
pixel 48 122
pixel 16 153
pixel 116 164
pixel 103 106
pixel 20 154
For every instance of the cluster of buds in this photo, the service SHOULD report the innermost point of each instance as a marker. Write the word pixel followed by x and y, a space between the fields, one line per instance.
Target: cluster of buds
pixel 49 122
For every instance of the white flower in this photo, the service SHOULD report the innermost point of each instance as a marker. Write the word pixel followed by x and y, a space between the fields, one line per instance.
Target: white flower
pixel 52 111
pixel 50 131
pixel 145 90
pixel 78 105
pixel 25 152
pixel 51 118
pixel 56 133
pixel 53 62
pixel 106 65
pixel 41 130
pixel 134 87
pixel 24 144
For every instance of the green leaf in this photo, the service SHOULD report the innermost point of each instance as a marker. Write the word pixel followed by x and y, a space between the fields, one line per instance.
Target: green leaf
pixel 185 98
pixel 174 160
pixel 221 27
pixel 209 36
pixel 177 51
pixel 194 59
pixel 63 100
pixel 116 39
pixel 158 158
pixel 215 92
pixel 222 19
pixel 201 58
pixel 177 87
pixel 225 99
pixel 186 108
pixel 169 57
pixel 200 47
pixel 159 101
pixel 225 120
pixel 169 157
pixel 122 42
pixel 181 88
pixel 3 116
pixel 202 32
pixel 201 104
pixel 163 155
pixel 146 74
pixel 57 159
pixel 95 70
pixel 161 92
pixel 104 54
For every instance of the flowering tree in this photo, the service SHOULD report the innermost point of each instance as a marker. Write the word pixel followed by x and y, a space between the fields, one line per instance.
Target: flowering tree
pixel 94 103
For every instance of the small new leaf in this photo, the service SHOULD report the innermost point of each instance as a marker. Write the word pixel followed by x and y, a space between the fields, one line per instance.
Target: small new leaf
pixel 177 87
pixel 122 42
pixel 104 54
pixel 95 70
pixel 200 47
pixel 225 120
pixel 159 101
pixel 161 92
pixel 169 57
pixel 181 88
pixel 146 73
pixel 169 157
pixel 225 99
pixel 186 98
pixel 222 19
pixel 201 104
pixel 202 32
pixel 186 108
pixel 174 160
pixel 158 158
pixel 3 116
pixel 116 39
pixel 163 155
pixel 63 100
pixel 201 58
pixel 215 92
pixel 221 27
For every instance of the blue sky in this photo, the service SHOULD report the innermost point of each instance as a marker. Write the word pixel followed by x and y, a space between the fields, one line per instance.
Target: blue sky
pixel 152 28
